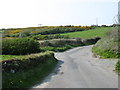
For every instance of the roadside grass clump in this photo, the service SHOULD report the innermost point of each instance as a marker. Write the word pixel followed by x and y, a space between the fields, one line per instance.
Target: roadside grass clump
pixel 108 47
pixel 19 46
pixel 105 49
pixel 117 67
pixel 27 71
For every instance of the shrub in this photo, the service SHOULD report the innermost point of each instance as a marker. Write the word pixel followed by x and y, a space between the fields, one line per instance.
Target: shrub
pixel 117 67
pixel 26 32
pixel 19 46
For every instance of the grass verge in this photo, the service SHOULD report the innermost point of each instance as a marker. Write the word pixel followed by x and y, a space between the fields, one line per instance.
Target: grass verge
pixel 117 67
pixel 108 47
pixel 27 77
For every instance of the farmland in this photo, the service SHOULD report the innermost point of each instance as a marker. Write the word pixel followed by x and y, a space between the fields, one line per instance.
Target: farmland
pixel 97 32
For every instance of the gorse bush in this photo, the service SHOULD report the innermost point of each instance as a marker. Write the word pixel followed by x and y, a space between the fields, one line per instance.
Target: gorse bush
pixel 45 30
pixel 19 46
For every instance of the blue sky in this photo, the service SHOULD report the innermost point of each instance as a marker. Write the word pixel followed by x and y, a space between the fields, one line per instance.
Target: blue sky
pixel 28 13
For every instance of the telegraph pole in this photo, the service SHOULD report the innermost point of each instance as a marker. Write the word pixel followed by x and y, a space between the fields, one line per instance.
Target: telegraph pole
pixel 119 12
pixel 96 21
pixel 40 25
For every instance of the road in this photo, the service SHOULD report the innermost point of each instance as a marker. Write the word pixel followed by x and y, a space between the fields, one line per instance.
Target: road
pixel 77 68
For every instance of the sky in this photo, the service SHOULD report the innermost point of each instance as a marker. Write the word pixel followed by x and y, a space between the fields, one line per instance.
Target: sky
pixel 30 13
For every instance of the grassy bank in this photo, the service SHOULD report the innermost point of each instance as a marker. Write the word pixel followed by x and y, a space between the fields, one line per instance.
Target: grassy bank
pixel 28 72
pixel 97 32
pixel 65 44
pixel 108 47
pixel 58 49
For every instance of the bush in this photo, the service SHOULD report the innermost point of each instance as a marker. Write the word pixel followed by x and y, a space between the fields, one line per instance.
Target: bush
pixel 19 46
pixel 117 67
pixel 26 32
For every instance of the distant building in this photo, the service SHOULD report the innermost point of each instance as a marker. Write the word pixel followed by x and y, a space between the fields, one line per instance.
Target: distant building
pixel 94 25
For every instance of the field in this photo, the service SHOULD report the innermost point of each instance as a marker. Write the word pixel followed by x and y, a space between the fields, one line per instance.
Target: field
pixel 97 32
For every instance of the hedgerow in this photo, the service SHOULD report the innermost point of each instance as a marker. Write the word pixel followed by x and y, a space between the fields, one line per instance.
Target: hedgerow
pixel 25 62
pixel 27 71
pixel 45 30
pixel 19 46
pixel 63 42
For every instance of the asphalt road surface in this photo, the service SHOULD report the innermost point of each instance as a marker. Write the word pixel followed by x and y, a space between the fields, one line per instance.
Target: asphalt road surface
pixel 77 68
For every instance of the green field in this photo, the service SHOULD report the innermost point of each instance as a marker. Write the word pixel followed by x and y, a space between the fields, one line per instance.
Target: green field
pixel 97 32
